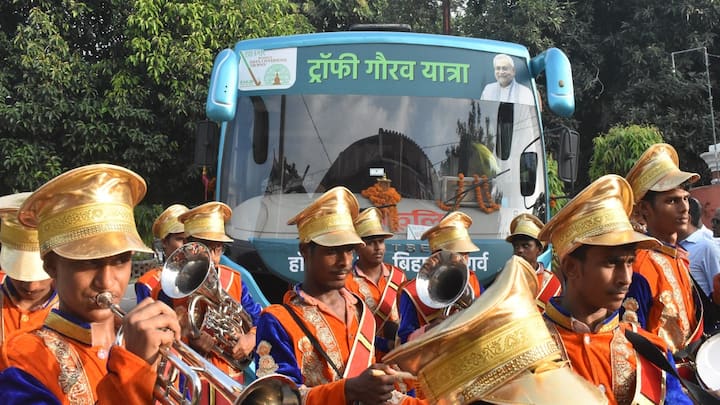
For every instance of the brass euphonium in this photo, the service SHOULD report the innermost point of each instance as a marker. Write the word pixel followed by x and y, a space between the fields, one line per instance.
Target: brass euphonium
pixel 442 282
pixel 190 272
pixel 273 389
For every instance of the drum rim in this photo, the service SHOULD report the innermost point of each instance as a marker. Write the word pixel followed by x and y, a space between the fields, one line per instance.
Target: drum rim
pixel 704 363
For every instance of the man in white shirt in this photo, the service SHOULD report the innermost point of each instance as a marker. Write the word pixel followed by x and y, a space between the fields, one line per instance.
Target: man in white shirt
pixel 506 89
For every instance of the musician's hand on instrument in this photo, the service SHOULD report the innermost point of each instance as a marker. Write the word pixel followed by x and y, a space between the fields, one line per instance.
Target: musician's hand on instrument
pixel 182 315
pixel 716 289
pixel 244 347
pixel 372 386
pixel 148 327
pixel 203 343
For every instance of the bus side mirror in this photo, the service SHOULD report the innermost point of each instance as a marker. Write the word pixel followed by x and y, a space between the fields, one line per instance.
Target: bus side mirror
pixel 559 82
pixel 568 156
pixel 207 136
pixel 528 173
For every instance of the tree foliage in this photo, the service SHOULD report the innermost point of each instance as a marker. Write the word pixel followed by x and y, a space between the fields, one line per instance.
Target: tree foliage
pixel 556 187
pixel 618 150
pixel 125 81
pixel 116 81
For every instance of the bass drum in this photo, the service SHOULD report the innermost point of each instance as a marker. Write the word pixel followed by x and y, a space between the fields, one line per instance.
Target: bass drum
pixel 707 363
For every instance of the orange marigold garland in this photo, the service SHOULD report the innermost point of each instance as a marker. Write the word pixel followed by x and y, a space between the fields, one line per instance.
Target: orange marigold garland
pixel 386 198
pixel 458 195
pixel 482 192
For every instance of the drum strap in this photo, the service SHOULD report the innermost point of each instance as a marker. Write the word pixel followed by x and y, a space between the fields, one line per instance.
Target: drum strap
pixel 655 356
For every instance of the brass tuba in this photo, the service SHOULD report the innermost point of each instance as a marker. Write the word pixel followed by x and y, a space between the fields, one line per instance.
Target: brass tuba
pixel 272 389
pixel 442 282
pixel 190 272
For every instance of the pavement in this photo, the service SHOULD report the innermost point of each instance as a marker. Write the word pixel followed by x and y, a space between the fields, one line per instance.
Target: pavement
pixel 128 301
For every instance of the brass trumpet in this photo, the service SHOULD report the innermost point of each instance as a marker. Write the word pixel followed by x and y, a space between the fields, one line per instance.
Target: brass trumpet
pixel 442 282
pixel 190 272
pixel 273 389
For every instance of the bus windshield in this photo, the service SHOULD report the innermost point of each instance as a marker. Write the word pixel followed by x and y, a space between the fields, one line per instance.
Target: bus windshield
pixel 437 153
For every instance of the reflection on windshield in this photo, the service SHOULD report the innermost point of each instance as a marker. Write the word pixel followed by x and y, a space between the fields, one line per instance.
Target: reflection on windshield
pixel 315 142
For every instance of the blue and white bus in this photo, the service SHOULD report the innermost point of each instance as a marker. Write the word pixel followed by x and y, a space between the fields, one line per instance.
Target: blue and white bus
pixel 417 124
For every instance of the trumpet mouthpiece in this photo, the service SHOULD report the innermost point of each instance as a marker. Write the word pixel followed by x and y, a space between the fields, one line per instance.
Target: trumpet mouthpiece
pixel 104 299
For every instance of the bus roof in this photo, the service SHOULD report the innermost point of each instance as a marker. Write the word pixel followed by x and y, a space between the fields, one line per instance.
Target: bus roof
pixel 368 37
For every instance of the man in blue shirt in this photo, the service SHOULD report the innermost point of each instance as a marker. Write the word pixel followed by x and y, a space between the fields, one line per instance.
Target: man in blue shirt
pixel 704 253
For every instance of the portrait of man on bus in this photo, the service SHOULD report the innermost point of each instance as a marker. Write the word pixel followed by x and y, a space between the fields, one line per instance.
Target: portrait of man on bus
pixel 506 89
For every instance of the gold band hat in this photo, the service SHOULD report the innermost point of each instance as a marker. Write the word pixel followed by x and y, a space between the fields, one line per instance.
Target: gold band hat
pixel 167 222
pixel 207 221
pixel 368 224
pixel 328 221
pixel 451 234
pixel 87 213
pixel 598 215
pixel 498 350
pixel 658 170
pixel 20 251
pixel 526 225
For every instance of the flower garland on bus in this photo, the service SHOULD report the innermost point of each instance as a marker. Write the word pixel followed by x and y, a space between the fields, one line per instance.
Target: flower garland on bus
pixel 385 198
pixel 481 184
pixel 482 193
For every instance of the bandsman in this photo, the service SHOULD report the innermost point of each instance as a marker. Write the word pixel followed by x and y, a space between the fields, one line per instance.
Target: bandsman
pixel 171 234
pixel 205 224
pixel 374 281
pixel 497 351
pixel 596 264
pixel 524 230
pixel 451 235
pixel 322 334
pixel 27 293
pixel 661 297
pixel 87 235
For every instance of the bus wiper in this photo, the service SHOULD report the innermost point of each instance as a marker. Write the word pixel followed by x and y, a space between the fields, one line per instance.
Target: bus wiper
pixel 474 186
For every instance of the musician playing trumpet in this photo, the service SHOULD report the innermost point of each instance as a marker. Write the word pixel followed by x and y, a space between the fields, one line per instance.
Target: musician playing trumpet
pixel 86 232
pixel 205 224
pixel 451 235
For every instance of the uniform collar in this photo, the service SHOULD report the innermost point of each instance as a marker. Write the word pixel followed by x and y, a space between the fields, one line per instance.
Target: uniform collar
pixel 561 316
pixel 84 332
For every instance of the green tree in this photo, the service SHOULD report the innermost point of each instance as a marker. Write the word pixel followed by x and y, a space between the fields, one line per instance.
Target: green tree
pixel 115 81
pixel 633 82
pixel 617 151
pixel 556 187
pixel 338 15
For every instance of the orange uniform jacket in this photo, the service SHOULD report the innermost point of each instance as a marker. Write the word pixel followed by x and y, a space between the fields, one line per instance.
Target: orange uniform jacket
pixel 660 299
pixel 381 299
pixel 284 348
pixel 38 368
pixel 16 320
pixel 609 361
